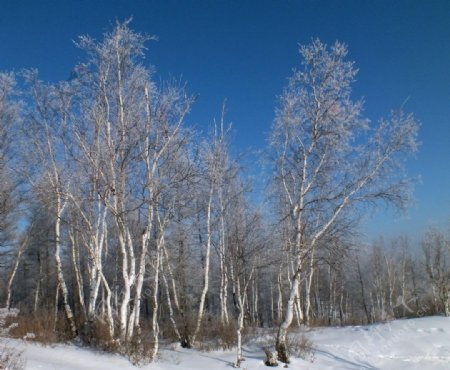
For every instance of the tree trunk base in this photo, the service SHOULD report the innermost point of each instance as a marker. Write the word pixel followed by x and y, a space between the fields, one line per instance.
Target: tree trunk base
pixel 282 353
pixel 270 361
pixel 185 343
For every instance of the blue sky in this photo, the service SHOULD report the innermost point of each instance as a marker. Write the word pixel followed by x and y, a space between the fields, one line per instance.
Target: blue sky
pixel 245 50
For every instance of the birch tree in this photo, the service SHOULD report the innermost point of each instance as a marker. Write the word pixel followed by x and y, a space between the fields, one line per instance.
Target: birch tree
pixel 210 173
pixel 10 114
pixel 12 275
pixel 178 250
pixel 436 250
pixel 247 250
pixel 131 134
pixel 329 161
pixel 47 124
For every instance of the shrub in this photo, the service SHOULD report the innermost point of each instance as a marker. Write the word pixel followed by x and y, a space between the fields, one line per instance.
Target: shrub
pixel 214 335
pixel 300 346
pixel 40 327
pixel 139 349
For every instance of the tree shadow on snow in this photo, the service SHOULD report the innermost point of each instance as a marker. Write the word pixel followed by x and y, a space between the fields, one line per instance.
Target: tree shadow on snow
pixel 254 354
pixel 358 365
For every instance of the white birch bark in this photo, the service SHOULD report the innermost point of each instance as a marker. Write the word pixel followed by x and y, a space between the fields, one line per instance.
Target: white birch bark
pixel 169 306
pixel 38 289
pixel 155 325
pixel 60 206
pixel 12 275
pixel 241 300
pixel 309 288
pixel 134 320
pixel 298 306
pixel 223 293
pixel 157 267
pixel 172 279
pixel 207 261
pixel 55 318
pixel 280 296
pixel 78 275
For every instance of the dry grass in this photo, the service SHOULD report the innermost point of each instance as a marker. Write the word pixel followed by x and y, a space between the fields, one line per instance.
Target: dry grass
pixel 97 335
pixel 214 335
pixel 40 327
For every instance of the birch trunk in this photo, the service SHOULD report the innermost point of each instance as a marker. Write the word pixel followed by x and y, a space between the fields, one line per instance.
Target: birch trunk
pixel 155 325
pixel 241 300
pixel 78 276
pixel 447 304
pixel 272 304
pixel 223 294
pixel 13 273
pixel 109 311
pixel 134 320
pixel 55 320
pixel 298 308
pixel 169 305
pixel 280 298
pixel 207 260
pixel 60 274
pixel 126 289
pixel 38 288
pixel 363 293
pixel 282 331
pixel 308 288
pixel 240 326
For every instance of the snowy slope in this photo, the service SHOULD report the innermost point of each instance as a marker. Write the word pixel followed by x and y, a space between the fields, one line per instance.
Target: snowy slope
pixel 401 344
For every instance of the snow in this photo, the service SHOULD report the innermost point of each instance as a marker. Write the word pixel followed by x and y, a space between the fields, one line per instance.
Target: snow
pixel 422 343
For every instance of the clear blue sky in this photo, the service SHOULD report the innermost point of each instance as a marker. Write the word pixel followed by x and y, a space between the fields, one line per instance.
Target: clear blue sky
pixel 244 50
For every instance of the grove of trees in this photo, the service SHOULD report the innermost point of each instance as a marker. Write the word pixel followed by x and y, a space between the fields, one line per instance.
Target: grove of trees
pixel 121 224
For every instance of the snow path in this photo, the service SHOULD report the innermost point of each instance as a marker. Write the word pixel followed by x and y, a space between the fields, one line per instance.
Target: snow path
pixel 422 343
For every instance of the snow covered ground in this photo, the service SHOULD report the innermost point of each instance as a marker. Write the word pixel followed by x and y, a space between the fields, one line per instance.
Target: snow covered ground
pixel 422 343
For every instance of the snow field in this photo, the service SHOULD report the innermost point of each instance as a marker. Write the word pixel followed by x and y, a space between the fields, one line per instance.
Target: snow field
pixel 422 343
